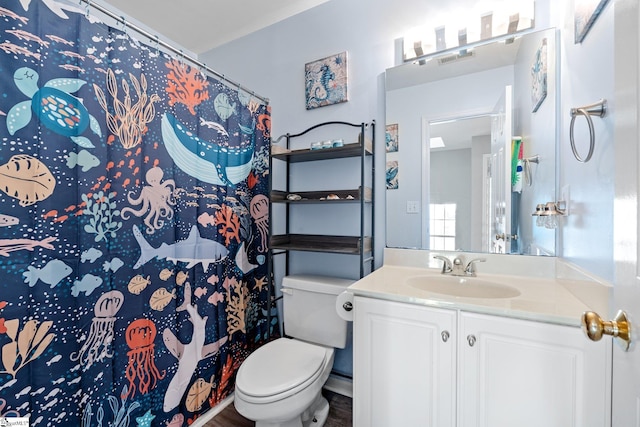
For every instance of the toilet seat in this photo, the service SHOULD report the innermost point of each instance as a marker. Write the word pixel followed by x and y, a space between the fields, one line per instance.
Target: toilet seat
pixel 280 369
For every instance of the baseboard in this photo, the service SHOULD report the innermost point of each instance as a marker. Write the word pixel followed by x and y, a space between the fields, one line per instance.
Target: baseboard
pixel 211 413
pixel 340 385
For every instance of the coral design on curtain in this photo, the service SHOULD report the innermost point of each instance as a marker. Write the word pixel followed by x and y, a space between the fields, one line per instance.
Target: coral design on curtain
pixel 133 225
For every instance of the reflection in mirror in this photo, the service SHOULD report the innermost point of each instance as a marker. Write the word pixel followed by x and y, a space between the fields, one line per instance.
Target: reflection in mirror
pixel 463 196
pixel 459 149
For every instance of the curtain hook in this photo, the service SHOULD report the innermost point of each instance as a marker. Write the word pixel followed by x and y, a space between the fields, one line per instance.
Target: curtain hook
pixel 87 7
pixel 157 45
pixel 124 25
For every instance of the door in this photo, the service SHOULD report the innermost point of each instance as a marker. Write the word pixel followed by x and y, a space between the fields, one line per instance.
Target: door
pixel 501 174
pixel 487 240
pixel 626 364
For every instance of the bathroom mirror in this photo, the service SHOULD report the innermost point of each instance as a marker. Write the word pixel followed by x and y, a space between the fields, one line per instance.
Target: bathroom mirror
pixel 463 196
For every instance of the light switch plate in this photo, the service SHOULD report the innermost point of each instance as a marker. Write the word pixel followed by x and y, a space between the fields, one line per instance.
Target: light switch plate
pixel 413 207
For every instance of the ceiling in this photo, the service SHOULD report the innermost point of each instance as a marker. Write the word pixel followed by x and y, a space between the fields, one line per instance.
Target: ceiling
pixel 457 134
pixel 200 25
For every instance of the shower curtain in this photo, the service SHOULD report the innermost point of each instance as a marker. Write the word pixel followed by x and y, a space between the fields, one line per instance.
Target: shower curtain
pixel 133 225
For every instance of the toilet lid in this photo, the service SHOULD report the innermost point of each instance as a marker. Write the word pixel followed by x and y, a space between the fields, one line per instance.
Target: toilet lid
pixel 280 366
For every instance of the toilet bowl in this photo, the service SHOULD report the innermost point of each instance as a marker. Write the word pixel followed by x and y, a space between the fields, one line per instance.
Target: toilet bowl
pixel 280 384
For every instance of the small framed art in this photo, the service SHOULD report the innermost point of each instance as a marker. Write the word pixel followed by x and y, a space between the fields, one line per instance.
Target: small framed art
pixel 391 138
pixel 585 14
pixel 326 81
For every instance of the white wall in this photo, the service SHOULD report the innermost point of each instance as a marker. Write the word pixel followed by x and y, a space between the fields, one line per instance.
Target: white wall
pixel 538 131
pixel 586 238
pixel 271 62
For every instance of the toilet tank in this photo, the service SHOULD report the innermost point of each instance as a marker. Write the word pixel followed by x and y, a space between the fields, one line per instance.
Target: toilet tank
pixel 309 306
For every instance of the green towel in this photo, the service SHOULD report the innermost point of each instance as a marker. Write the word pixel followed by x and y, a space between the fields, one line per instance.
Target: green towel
pixel 517 149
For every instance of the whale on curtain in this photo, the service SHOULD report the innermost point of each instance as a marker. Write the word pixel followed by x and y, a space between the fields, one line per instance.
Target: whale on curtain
pixel 203 160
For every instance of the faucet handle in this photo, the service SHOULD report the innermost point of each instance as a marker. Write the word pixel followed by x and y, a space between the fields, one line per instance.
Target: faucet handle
pixel 447 267
pixel 471 269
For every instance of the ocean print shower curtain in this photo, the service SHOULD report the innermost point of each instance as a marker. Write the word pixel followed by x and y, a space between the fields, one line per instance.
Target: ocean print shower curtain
pixel 133 225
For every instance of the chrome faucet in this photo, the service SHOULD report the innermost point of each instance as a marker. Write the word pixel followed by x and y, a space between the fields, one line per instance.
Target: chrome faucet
pixel 470 270
pixel 447 267
pixel 458 267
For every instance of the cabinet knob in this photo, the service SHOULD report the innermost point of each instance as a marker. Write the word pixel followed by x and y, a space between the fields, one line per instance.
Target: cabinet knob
pixel 445 336
pixel 471 339
pixel 619 327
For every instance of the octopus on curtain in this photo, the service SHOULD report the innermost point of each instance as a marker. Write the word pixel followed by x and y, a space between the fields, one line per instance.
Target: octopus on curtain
pixel 259 209
pixel 98 345
pixel 156 199
pixel 141 368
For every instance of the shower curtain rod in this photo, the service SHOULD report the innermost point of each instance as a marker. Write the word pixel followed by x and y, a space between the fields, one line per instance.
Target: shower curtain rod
pixel 173 49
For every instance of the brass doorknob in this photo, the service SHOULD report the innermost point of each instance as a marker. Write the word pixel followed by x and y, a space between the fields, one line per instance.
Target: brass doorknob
pixel 619 327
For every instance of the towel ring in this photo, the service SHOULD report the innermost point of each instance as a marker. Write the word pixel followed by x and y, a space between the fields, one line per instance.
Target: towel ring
pixel 598 109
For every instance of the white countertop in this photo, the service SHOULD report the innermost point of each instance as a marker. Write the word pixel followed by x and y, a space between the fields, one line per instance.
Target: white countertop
pixel 560 296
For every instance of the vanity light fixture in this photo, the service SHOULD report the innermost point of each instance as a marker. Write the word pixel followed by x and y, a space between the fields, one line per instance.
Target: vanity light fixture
pixel 417 47
pixel 465 27
pixel 462 37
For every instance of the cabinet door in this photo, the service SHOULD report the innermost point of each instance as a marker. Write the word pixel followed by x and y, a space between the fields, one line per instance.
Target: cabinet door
pixel 522 373
pixel 404 365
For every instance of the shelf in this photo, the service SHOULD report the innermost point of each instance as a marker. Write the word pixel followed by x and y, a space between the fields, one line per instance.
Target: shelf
pixel 316 243
pixel 359 240
pixel 278 196
pixel 308 155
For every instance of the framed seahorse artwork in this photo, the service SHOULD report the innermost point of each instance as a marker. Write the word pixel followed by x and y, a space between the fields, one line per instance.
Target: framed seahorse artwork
pixel 326 81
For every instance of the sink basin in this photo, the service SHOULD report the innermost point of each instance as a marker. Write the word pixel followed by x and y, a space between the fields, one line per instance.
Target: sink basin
pixel 466 287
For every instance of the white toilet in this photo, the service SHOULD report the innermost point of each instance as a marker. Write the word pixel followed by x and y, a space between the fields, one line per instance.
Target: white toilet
pixel 280 383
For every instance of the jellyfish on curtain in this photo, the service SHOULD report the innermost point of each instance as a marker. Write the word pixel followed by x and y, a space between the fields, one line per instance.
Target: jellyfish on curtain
pixel 97 346
pixel 141 371
pixel 259 209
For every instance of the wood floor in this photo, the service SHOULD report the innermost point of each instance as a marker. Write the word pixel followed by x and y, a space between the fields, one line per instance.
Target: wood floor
pixel 340 411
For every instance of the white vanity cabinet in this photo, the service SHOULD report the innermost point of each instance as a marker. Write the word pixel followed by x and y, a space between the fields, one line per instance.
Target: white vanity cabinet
pixel 523 373
pixel 404 365
pixel 492 371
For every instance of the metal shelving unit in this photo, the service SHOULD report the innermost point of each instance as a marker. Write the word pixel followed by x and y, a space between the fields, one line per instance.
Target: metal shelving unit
pixel 361 243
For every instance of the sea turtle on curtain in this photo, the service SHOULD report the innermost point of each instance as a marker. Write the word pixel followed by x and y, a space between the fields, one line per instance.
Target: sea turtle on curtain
pixel 54 105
